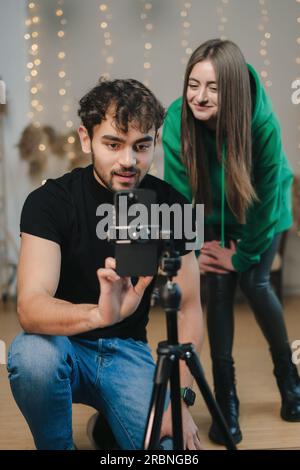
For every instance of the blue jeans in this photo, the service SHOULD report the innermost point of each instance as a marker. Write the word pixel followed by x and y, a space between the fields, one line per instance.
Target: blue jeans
pixel 49 373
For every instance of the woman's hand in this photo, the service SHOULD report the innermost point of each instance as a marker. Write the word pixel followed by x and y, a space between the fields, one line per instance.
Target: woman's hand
pixel 214 258
pixel 118 297
pixel 207 264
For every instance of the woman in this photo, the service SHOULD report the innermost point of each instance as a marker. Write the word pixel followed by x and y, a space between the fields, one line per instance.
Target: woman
pixel 223 148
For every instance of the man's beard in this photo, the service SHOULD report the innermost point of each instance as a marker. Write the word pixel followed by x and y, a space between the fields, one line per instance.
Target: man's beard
pixel 109 184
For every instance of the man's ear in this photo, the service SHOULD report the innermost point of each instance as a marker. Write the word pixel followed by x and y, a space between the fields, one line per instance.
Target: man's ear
pixel 156 137
pixel 85 140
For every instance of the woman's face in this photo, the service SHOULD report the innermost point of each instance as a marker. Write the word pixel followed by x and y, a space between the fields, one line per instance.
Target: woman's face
pixel 202 93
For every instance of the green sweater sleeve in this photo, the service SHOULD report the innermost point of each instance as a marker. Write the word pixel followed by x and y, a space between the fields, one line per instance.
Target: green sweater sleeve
pixel 263 215
pixel 174 171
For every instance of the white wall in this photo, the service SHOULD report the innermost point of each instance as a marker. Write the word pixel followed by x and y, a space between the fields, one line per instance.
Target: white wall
pixel 85 63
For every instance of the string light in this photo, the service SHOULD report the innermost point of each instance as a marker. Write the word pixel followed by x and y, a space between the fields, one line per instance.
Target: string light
pixel 64 81
pixel 222 18
pixel 185 8
pixel 146 17
pixel 31 77
pixel 104 24
pixel 263 46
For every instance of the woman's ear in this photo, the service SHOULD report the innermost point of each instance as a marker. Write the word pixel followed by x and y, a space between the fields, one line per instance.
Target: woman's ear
pixel 85 140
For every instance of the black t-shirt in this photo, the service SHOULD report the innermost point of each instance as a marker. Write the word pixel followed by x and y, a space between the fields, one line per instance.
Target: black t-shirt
pixel 64 210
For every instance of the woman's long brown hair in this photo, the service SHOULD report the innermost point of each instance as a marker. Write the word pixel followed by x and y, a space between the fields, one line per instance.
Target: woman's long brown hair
pixel 233 129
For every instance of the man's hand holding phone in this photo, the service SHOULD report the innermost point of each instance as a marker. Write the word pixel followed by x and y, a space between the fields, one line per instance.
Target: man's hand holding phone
pixel 118 297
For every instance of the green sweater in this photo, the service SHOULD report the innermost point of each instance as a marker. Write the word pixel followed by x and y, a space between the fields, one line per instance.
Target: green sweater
pixel 272 178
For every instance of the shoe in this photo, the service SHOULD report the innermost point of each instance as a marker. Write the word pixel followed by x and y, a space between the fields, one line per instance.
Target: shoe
pixel 100 434
pixel 227 399
pixel 288 382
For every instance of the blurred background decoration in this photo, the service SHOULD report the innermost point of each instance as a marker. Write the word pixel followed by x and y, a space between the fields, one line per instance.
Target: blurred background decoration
pixel 41 146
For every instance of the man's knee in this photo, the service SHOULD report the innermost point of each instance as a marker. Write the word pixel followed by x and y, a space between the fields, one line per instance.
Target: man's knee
pixel 36 358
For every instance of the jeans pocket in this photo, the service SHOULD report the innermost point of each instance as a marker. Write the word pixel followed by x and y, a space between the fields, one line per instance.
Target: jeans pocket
pixel 107 350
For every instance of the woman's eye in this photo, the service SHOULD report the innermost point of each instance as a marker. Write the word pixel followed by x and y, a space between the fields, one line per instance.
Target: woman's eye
pixel 193 87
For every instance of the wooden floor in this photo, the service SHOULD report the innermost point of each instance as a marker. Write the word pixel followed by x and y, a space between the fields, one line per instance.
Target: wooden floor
pixel 260 422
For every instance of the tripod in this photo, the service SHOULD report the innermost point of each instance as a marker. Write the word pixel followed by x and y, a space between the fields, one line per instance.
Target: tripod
pixel 167 367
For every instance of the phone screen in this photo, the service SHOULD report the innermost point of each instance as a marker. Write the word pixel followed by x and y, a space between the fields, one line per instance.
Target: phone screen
pixel 136 252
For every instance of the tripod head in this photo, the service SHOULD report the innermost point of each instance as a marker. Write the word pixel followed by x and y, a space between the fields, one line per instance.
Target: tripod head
pixel 170 262
pixel 170 294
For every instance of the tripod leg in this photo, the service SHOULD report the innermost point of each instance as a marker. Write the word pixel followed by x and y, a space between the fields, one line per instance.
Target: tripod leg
pixel 176 407
pixel 157 403
pixel 196 370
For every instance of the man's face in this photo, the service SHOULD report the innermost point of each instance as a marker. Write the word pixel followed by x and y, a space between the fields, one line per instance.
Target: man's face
pixel 120 160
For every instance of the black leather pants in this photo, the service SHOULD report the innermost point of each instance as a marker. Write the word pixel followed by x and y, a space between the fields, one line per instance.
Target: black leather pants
pixel 255 284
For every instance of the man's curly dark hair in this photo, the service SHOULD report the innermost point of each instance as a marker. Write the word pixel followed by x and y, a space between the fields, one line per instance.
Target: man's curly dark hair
pixel 130 102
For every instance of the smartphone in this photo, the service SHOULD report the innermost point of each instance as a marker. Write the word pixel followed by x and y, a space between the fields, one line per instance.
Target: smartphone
pixel 137 240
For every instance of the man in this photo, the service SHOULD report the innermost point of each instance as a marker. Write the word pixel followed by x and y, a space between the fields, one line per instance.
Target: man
pixel 85 327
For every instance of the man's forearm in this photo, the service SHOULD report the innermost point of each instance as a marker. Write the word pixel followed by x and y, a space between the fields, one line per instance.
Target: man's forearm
pixel 43 314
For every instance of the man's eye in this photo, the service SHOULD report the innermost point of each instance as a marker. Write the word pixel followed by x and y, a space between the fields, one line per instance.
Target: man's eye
pixel 142 147
pixel 192 86
pixel 214 89
pixel 113 146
